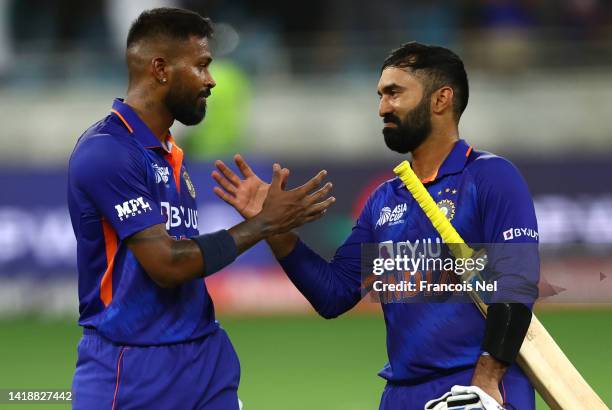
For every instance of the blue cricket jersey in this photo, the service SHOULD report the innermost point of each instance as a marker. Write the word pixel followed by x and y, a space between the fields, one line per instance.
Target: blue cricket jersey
pixel 122 180
pixel 487 201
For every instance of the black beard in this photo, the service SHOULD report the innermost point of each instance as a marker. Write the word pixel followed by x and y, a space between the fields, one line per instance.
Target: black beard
pixel 186 110
pixel 412 131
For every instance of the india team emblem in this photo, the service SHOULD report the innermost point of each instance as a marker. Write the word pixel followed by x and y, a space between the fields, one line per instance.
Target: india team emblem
pixel 189 184
pixel 448 208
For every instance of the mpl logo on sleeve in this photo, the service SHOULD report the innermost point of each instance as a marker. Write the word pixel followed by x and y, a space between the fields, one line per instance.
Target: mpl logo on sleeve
pixel 132 207
pixel 518 232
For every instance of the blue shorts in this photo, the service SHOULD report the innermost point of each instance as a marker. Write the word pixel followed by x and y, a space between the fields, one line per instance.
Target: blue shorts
pixel 200 374
pixel 515 389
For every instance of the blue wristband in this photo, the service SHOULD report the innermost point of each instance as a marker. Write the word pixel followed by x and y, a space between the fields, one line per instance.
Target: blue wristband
pixel 218 250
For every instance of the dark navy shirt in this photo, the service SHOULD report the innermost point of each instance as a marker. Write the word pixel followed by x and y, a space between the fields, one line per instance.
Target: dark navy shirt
pixel 123 180
pixel 488 202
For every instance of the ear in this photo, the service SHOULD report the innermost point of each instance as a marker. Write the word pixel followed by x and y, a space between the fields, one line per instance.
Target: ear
pixel 442 99
pixel 159 68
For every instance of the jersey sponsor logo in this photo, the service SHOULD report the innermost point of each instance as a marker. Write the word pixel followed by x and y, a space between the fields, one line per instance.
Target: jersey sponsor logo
pixel 416 248
pixel 177 216
pixel 162 174
pixel 518 232
pixel 132 207
pixel 391 217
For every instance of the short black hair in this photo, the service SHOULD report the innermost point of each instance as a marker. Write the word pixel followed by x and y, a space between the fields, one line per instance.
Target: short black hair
pixel 169 22
pixel 439 65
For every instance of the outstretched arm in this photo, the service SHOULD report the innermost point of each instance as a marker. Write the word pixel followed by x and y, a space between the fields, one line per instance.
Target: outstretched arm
pixel 170 262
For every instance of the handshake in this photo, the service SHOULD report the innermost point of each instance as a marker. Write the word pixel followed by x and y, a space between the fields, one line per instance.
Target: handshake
pixel 278 210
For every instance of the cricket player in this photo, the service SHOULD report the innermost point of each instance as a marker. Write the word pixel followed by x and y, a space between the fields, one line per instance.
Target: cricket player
pixel 150 339
pixel 431 347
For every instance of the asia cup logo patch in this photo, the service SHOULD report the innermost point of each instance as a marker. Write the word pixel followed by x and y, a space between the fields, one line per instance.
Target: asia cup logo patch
pixel 392 217
pixel 189 184
pixel 448 208
pixel 161 173
pixel 385 213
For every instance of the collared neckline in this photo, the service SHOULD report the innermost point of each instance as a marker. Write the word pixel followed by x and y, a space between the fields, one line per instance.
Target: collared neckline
pixel 173 153
pixel 454 163
pixel 138 128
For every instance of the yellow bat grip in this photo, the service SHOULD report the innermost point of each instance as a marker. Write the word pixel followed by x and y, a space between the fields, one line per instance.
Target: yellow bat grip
pixel 447 231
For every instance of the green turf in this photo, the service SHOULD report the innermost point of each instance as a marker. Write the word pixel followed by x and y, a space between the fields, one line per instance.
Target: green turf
pixel 291 362
pixel 585 338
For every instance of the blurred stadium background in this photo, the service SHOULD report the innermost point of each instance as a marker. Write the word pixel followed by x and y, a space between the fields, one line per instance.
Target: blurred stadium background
pixel 296 84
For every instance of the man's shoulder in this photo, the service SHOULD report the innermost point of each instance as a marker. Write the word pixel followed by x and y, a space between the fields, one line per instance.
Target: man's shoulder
pixel 105 140
pixel 385 194
pixel 386 188
pixel 483 165
pixel 105 147
pixel 494 173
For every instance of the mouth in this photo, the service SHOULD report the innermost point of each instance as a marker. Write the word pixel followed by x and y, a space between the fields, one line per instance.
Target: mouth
pixel 389 125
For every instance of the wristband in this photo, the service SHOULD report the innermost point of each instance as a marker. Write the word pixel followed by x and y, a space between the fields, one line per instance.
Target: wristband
pixel 218 250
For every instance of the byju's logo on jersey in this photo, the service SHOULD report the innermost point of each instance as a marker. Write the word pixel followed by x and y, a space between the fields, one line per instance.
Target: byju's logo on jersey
pixel 132 207
pixel 162 174
pixel 177 216
pixel 391 217
pixel 518 232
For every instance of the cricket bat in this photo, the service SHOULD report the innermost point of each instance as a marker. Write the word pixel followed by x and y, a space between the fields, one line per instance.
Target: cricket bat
pixel 548 368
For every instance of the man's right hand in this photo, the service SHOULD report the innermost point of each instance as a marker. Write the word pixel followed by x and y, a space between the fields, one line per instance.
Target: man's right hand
pixel 252 197
pixel 284 210
pixel 279 210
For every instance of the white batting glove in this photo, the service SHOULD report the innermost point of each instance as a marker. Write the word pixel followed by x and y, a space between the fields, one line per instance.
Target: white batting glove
pixel 439 403
pixel 464 398
pixel 488 402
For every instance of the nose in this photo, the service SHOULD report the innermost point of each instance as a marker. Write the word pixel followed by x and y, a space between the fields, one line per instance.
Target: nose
pixel 384 107
pixel 210 81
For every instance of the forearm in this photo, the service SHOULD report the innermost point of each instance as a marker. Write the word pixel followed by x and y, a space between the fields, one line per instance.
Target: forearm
pixel 505 329
pixel 171 262
pixel 488 375
pixel 183 263
pixel 248 233
pixel 488 370
pixel 282 245
pixel 331 288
